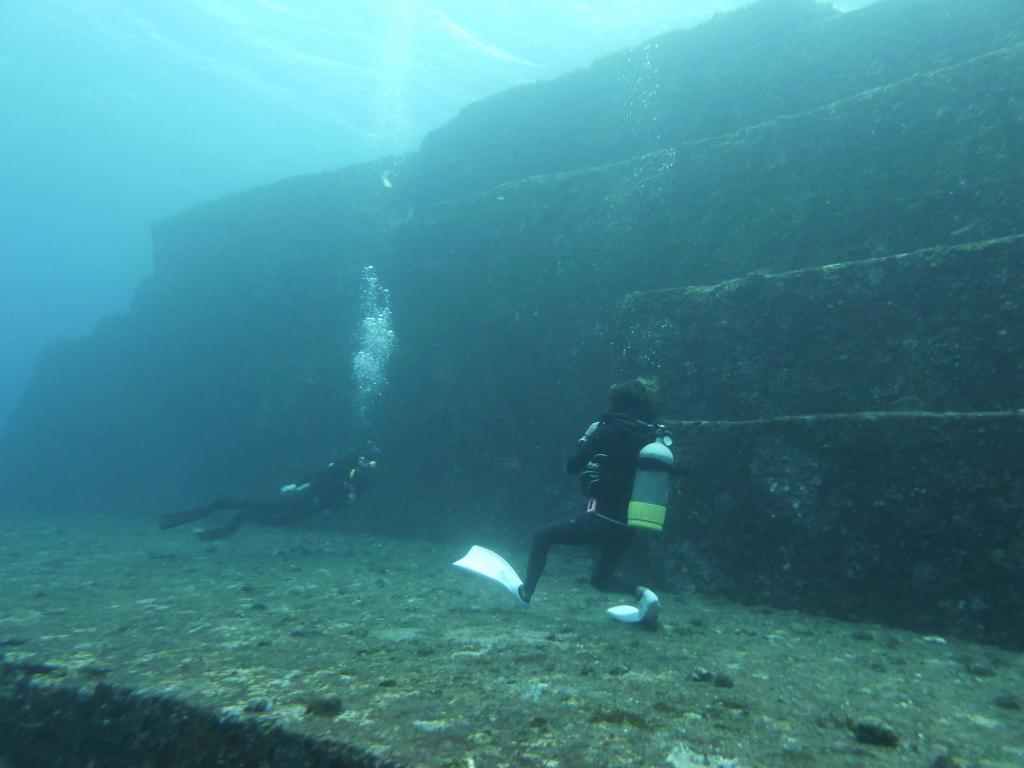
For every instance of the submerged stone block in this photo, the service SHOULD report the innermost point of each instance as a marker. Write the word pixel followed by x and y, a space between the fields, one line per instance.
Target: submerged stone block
pixel 911 519
pixel 773 58
pixel 52 724
pixel 935 330
pixel 233 367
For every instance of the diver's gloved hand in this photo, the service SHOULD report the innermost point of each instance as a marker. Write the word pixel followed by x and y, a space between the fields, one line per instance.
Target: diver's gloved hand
pixel 589 432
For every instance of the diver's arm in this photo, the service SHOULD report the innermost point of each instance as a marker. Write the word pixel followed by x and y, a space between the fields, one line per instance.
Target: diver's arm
pixel 588 445
pixel 340 469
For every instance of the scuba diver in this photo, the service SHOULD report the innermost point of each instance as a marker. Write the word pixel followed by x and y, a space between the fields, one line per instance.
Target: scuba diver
pixel 606 456
pixel 338 485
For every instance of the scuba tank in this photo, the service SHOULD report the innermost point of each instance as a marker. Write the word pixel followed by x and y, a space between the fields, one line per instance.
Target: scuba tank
pixel 652 484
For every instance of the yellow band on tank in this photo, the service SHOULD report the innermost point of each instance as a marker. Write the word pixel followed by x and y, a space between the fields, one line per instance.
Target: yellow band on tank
pixel 644 515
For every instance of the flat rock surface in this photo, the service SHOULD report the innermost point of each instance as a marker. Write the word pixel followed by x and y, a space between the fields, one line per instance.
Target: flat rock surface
pixel 382 645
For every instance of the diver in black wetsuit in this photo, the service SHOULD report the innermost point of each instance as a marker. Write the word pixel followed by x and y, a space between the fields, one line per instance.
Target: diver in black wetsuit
pixel 607 457
pixel 338 485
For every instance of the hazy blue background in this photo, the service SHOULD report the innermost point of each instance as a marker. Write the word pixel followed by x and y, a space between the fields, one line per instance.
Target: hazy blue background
pixel 116 113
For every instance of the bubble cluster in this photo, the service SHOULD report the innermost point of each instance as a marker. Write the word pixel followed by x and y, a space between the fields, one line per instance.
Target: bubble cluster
pixel 374 345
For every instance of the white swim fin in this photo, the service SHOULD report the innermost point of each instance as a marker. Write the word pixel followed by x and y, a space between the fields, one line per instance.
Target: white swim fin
pixel 645 612
pixel 493 566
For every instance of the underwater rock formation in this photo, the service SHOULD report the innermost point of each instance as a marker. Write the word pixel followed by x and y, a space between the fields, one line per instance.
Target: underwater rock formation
pixel 777 57
pixel 935 330
pixel 523 283
pixel 110 725
pixel 906 518
pixel 858 165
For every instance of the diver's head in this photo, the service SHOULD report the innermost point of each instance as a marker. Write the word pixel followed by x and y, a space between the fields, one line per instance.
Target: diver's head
pixel 639 397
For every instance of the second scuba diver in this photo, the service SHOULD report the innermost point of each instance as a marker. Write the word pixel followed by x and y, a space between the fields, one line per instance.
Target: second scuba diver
pixel 607 456
pixel 336 486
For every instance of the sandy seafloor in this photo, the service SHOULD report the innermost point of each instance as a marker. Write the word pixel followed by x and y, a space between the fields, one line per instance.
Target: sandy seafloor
pixel 434 667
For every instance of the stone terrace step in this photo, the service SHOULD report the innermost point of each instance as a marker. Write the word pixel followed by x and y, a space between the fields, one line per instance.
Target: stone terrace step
pixel 940 329
pixel 773 58
pixel 911 519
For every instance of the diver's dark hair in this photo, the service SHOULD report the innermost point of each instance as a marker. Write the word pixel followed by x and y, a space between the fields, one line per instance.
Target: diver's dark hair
pixel 637 397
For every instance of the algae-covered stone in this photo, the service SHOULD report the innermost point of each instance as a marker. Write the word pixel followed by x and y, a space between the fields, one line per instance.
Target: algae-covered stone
pixel 936 330
pixel 891 517
pixel 876 733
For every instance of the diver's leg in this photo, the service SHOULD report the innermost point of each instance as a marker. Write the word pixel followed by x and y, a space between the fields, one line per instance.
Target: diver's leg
pixel 613 545
pixel 188 516
pixel 573 531
pixel 210 534
pixel 191 515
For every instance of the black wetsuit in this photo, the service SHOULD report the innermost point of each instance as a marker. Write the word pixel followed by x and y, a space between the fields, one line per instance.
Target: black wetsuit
pixel 614 445
pixel 337 485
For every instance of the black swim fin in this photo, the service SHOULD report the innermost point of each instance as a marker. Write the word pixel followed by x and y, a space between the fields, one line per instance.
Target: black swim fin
pixel 189 515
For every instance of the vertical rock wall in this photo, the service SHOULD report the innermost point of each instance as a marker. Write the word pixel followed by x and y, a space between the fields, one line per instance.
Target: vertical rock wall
pixel 860 441
pixel 230 375
pixel 523 283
